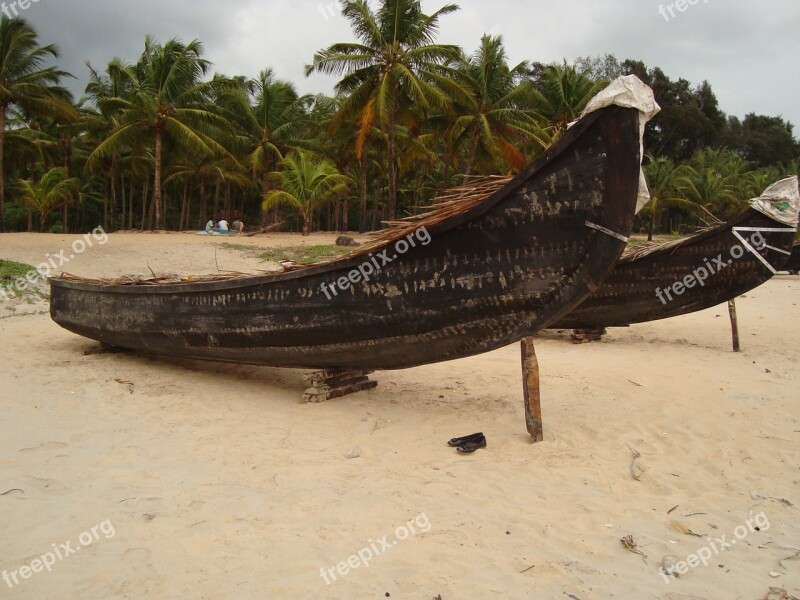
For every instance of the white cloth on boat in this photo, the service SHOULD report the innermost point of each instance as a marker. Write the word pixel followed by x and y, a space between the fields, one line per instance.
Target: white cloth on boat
pixel 630 92
pixel 780 201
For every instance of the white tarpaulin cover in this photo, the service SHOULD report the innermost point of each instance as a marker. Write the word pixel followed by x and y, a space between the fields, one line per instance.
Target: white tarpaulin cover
pixel 630 92
pixel 780 201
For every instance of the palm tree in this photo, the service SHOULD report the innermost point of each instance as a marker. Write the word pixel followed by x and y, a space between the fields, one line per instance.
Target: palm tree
pixel 662 179
pixel 168 102
pixel 49 193
pixel 494 115
pixel 716 181
pixel 269 117
pixel 395 65
pixel 26 84
pixel 205 170
pixel 305 184
pixel 563 92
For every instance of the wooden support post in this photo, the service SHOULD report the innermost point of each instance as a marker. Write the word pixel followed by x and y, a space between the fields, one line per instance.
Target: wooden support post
pixel 734 325
pixel 335 383
pixel 530 390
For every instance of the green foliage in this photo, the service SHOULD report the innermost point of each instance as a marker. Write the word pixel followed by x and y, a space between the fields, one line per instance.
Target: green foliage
pixel 562 92
pixel 164 142
pixel 10 271
pixel 393 68
pixel 304 254
pixel 27 86
pixel 49 193
pixel 305 183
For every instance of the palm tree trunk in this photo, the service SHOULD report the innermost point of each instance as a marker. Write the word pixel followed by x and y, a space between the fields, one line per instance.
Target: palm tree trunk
pixel 113 200
pixel 473 152
pixel 64 221
pixel 181 225
pixel 130 208
pixel 227 200
pixel 124 201
pixel 446 177
pixel 276 211
pixel 2 168
pixel 157 180
pixel 227 204
pixel 105 199
pixel 362 217
pixel 144 204
pixel 203 200
pixel 345 212
pixel 652 220
pixel 30 220
pixel 392 149
pixel 216 196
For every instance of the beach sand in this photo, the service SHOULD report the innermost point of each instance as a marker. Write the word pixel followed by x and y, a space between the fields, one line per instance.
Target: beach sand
pixel 214 481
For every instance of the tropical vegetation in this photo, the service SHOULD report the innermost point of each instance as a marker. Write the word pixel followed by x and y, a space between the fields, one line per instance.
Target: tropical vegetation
pixel 164 142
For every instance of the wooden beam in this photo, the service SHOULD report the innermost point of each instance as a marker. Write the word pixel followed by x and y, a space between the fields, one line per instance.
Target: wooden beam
pixel 530 390
pixel 335 383
pixel 734 325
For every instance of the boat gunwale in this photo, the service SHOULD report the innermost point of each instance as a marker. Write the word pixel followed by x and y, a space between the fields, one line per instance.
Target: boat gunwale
pixel 354 260
pixel 671 246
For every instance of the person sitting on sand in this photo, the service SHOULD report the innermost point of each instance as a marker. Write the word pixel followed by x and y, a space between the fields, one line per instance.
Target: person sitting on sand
pixel 223 226
pixel 209 225
pixel 238 226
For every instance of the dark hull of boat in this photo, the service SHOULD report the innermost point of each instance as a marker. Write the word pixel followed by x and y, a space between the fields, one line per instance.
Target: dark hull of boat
pixel 793 264
pixel 635 291
pixel 490 276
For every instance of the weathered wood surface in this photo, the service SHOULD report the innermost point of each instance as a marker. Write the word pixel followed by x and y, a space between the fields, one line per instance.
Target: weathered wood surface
pixel 734 325
pixel 490 276
pixel 531 393
pixel 629 294
pixel 334 383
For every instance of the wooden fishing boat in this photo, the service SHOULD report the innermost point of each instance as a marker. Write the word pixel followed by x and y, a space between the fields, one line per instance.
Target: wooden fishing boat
pixel 494 269
pixel 698 272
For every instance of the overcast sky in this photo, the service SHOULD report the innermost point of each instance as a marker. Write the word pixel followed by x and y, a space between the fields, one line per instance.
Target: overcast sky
pixel 748 50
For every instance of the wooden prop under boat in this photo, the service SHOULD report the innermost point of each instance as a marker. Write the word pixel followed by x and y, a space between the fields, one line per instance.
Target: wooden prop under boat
pixel 709 268
pixel 483 275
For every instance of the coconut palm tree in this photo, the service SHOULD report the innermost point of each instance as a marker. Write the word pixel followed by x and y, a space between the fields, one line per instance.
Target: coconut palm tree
pixel 394 66
pixel 168 102
pixel 269 118
pixel 563 92
pixel 205 170
pixel 494 115
pixel 662 179
pixel 305 184
pixel 49 193
pixel 716 181
pixel 25 83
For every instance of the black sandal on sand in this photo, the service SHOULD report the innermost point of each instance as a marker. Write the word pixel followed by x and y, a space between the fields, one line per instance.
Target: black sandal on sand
pixel 471 446
pixel 460 441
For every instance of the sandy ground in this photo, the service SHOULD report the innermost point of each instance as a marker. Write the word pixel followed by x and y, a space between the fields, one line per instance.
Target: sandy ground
pixel 212 481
